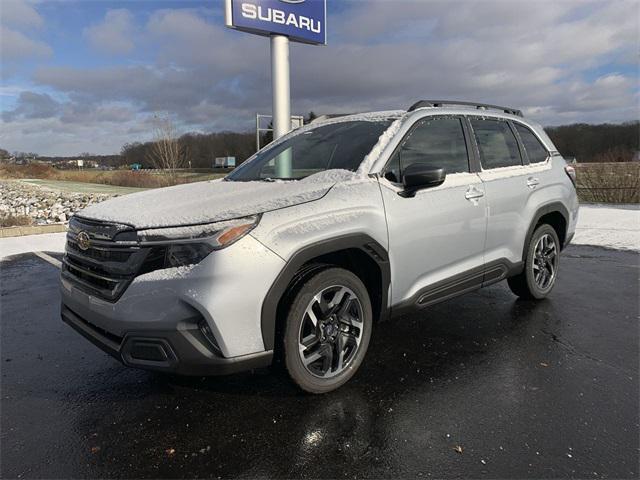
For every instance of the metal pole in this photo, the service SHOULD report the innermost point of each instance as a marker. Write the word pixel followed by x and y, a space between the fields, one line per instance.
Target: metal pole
pixel 281 99
pixel 257 132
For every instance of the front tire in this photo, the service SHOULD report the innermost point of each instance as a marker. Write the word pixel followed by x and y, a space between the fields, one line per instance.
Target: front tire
pixel 327 331
pixel 541 265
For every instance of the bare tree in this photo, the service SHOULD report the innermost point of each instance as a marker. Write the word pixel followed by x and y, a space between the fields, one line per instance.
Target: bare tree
pixel 167 152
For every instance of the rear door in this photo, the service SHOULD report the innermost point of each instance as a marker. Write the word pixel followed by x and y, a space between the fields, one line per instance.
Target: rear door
pixel 436 238
pixel 507 186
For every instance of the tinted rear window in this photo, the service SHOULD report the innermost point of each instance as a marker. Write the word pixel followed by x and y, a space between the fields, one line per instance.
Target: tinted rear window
pixel 496 142
pixel 536 152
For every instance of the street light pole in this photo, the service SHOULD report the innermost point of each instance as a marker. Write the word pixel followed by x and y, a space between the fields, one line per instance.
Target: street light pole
pixel 281 99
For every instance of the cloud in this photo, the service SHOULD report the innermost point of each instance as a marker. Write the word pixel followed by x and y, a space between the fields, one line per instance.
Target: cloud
pixel 559 62
pixel 16 18
pixel 32 105
pixel 17 46
pixel 114 35
pixel 19 13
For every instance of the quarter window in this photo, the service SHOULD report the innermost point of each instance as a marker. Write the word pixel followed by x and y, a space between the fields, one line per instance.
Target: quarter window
pixel 497 144
pixel 536 152
pixel 436 141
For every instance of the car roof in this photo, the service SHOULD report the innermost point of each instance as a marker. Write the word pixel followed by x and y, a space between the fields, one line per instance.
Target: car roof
pixel 463 108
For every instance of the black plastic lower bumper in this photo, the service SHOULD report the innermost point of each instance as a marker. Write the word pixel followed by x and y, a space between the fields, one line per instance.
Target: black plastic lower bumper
pixel 165 351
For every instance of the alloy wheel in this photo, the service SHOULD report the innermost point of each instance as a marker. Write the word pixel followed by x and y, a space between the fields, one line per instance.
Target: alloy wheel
pixel 545 261
pixel 330 331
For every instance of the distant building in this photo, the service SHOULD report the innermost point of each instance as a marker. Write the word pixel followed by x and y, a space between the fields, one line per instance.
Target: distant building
pixel 224 162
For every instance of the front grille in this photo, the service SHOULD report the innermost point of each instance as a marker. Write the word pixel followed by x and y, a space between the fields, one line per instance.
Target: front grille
pixel 106 267
pixel 99 254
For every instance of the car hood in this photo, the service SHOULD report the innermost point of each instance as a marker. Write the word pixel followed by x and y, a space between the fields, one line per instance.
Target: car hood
pixel 207 202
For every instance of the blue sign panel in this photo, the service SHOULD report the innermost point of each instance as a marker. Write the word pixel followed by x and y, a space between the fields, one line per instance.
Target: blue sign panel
pixel 300 20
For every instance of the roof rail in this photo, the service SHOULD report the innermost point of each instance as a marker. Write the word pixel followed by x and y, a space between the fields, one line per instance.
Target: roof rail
pixel 479 106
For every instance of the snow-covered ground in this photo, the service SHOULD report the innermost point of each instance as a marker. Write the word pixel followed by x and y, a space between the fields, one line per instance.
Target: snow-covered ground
pixel 602 225
pixel 609 226
pixel 47 242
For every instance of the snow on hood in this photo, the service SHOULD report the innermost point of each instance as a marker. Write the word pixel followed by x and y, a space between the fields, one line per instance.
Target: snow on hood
pixel 213 201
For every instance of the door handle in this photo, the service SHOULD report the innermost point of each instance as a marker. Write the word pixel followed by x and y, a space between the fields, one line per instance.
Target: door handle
pixel 473 193
pixel 532 182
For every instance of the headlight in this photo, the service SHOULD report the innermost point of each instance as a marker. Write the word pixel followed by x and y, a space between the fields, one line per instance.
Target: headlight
pixel 182 246
pixel 219 234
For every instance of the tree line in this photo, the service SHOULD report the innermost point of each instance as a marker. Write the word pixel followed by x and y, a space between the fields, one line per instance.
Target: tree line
pixel 597 143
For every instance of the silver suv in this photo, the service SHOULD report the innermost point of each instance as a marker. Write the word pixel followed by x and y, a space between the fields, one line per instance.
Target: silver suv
pixel 325 232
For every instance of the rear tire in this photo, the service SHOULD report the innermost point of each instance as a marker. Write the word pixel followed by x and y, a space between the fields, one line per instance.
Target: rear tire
pixel 327 331
pixel 540 272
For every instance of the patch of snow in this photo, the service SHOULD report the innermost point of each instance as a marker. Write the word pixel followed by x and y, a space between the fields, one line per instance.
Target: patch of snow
pixel 47 242
pixel 515 170
pixel 609 226
pixel 379 147
pixel 330 176
pixel 315 223
pixel 165 274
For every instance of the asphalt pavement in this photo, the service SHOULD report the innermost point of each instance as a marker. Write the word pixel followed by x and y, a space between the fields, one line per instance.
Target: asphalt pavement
pixel 482 386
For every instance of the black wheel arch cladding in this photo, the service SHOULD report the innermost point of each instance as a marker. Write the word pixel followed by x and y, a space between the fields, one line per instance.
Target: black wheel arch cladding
pixel 545 210
pixel 317 253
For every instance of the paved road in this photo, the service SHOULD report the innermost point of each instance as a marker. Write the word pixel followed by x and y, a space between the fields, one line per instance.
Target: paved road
pixel 539 390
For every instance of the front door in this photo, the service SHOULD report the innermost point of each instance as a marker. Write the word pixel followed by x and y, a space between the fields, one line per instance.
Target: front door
pixel 436 238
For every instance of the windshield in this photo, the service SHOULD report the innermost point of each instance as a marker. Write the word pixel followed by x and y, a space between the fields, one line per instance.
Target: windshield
pixel 340 145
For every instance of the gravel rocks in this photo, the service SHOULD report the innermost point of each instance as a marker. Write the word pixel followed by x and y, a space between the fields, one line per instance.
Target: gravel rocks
pixel 43 205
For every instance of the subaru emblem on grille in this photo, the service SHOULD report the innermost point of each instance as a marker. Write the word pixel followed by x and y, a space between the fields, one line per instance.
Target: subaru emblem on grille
pixel 84 241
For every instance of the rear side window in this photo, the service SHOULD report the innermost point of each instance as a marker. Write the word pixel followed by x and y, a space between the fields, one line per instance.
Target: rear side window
pixel 496 142
pixel 436 141
pixel 535 150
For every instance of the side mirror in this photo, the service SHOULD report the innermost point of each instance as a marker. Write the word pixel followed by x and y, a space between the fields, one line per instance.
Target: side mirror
pixel 419 176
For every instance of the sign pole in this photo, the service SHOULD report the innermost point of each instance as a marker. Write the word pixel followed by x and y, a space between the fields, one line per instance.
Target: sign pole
pixel 281 99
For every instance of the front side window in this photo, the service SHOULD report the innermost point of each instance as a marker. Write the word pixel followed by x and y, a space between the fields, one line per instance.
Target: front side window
pixel 496 142
pixel 535 150
pixel 435 141
pixel 341 145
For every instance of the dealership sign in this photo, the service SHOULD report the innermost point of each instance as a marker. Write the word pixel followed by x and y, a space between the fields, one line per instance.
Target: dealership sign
pixel 300 20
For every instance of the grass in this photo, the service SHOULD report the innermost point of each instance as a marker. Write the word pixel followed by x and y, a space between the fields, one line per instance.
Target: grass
pixel 617 182
pixel 15 220
pixel 119 178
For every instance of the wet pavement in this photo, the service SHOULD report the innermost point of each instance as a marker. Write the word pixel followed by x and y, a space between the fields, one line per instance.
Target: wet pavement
pixel 539 390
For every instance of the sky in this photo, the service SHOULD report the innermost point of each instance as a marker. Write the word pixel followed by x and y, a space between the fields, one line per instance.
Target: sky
pixel 91 76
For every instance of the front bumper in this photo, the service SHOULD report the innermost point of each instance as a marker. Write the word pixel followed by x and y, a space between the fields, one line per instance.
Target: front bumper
pixel 185 351
pixel 203 321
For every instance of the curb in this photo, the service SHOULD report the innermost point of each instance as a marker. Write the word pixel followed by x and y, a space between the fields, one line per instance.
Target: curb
pixel 32 230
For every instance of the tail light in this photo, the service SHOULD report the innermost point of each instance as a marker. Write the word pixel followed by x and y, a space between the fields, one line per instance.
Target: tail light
pixel 571 173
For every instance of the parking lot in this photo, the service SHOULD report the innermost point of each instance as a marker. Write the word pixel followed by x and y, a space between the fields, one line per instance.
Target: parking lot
pixel 480 386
